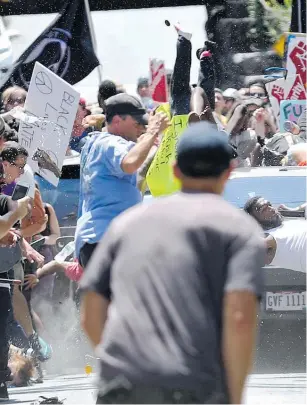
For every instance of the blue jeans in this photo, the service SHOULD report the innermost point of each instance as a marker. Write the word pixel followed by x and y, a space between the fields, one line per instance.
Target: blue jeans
pixel 5 309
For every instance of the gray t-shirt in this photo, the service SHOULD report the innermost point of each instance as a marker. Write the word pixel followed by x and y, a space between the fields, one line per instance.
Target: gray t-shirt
pixel 166 267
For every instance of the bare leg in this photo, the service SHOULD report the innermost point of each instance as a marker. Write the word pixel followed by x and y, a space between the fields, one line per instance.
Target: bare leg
pixel 38 323
pixel 200 105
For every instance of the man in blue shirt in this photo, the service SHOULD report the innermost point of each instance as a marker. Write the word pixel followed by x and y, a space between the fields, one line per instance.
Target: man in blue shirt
pixel 108 169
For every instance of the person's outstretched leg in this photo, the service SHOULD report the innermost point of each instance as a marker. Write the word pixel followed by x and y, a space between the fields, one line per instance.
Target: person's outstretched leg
pixel 180 82
pixel 206 77
pixel 16 333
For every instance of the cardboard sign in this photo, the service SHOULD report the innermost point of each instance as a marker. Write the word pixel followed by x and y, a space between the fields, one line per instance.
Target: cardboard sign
pixel 158 81
pixel 51 106
pixel 290 88
pixel 291 110
pixel 160 178
pixel 297 57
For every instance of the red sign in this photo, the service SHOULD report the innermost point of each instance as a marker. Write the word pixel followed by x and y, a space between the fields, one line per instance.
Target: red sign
pixel 297 91
pixel 158 81
pixel 298 56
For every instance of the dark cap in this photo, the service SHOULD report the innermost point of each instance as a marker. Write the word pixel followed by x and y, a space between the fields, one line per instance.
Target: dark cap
pixel 125 104
pixel 204 151
pixel 107 89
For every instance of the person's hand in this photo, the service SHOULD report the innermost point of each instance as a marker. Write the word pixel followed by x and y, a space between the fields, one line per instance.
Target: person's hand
pixel 30 281
pixel 10 239
pixel 157 123
pixel 260 114
pixel 95 121
pixel 32 255
pixel 239 111
pixel 23 207
pixel 43 220
pixel 15 112
pixel 267 116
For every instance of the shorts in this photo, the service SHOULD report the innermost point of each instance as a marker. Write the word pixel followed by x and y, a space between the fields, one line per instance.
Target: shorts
pixel 86 253
pixel 74 271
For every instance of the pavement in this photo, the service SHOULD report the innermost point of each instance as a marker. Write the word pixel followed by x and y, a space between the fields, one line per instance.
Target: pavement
pixel 75 389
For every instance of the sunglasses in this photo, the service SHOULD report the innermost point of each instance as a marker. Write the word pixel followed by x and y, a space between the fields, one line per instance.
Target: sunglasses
pixel 262 96
pixel 19 100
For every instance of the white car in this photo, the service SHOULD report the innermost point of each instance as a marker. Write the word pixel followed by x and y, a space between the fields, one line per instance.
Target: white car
pixel 279 185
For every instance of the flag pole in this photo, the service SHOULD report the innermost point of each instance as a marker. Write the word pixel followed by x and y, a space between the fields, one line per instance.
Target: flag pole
pixel 92 34
pixel 299 16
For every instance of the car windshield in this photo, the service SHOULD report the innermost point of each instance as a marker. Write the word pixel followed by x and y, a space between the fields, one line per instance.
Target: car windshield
pixel 288 190
pixel 278 188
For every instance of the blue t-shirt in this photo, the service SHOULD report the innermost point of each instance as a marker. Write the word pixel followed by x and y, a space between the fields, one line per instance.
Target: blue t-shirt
pixel 76 143
pixel 105 190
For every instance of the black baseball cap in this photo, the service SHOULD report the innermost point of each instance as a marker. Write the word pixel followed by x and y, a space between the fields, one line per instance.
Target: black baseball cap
pixel 204 151
pixel 125 104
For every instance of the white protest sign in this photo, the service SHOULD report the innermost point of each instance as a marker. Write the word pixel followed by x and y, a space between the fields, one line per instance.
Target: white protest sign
pixel 297 57
pixel 290 88
pixel 54 102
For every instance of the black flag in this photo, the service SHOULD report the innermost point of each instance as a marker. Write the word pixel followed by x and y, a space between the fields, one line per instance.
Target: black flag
pixel 65 47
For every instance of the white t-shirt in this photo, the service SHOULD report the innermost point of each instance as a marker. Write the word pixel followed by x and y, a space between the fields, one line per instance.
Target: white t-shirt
pixel 27 179
pixel 291 245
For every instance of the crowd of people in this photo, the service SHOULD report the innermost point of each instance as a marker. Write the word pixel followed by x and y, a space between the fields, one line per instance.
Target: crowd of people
pixel 117 141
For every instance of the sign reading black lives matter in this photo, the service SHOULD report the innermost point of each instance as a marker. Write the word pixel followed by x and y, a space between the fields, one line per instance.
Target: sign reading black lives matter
pixel 51 108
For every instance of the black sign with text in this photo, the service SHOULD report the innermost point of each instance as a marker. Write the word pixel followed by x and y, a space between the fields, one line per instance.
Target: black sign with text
pixel 65 48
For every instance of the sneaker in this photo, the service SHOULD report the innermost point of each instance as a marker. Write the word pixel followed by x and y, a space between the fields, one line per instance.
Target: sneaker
pixel 41 349
pixel 186 35
pixel 46 349
pixel 207 50
pixel 4 396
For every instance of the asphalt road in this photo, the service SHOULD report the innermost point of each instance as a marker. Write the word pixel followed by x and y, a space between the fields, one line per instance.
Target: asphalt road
pixel 278 374
pixel 79 389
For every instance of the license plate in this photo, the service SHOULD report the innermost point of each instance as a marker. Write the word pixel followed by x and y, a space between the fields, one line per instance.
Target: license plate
pixel 285 301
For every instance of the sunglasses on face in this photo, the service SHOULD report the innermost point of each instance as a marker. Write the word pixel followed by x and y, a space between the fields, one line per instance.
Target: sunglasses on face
pixel 258 95
pixel 19 100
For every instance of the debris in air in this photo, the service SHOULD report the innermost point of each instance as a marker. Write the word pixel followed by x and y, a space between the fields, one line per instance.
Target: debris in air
pixel 51 400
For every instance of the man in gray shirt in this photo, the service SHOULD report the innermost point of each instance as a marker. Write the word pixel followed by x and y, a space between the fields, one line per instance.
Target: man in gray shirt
pixel 171 295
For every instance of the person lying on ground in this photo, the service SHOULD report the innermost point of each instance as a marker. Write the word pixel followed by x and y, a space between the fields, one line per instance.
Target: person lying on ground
pixel 286 240
pixel 22 367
